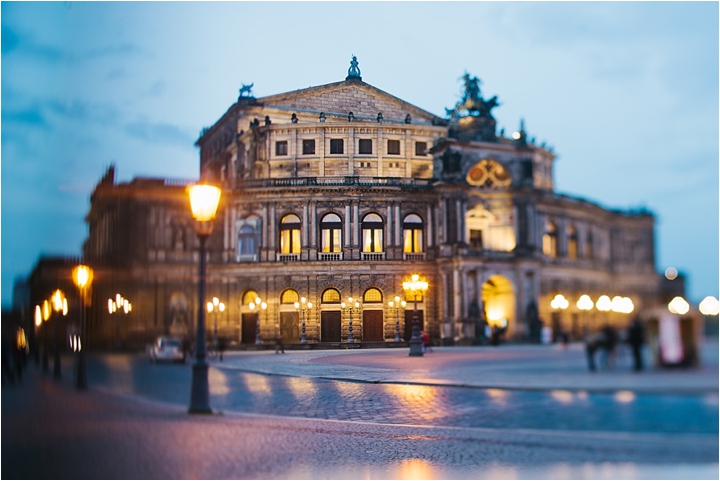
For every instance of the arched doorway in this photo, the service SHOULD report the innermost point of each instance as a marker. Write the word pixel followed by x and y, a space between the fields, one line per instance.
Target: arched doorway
pixel 330 316
pixel 289 316
pixel 373 316
pixel 498 300
pixel 248 318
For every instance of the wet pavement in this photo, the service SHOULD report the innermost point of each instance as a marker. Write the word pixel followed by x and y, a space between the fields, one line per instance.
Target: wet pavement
pixel 457 413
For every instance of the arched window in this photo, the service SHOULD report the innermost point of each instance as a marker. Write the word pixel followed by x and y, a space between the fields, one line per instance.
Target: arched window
pixel 413 232
pixel 248 238
pixel 331 296
pixel 249 297
pixel 373 295
pixel 289 296
pixel 572 242
pixel 372 233
pixel 331 233
pixel 550 240
pixel 290 234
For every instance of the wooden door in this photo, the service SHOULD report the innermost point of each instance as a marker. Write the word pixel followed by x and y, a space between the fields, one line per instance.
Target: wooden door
pixel 249 327
pixel 289 327
pixel 409 322
pixel 330 326
pixel 373 326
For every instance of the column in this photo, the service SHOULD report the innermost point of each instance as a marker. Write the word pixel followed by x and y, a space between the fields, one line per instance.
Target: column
pixel 313 218
pixel 398 223
pixel 348 240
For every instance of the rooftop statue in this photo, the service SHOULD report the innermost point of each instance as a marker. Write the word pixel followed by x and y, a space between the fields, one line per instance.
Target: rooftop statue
pixel 472 100
pixel 246 90
pixel 353 71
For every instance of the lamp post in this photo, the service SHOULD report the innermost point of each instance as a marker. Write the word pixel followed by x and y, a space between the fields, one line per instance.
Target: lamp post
pixel 59 305
pixel 82 276
pixel 396 304
pixel 559 304
pixel 415 286
pixel 259 303
pixel 45 317
pixel 585 304
pixel 303 305
pixel 204 200
pixel 216 306
pixel 116 306
pixel 351 305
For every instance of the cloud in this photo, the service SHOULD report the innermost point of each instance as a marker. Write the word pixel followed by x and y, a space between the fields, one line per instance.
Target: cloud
pixel 160 132
pixel 31 116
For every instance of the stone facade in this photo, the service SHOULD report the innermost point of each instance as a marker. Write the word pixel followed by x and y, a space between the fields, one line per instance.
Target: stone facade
pixel 343 190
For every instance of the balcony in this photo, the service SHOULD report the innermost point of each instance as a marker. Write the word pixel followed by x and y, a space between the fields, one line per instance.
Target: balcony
pixel 413 256
pixel 330 256
pixel 352 180
pixel 288 257
pixel 373 256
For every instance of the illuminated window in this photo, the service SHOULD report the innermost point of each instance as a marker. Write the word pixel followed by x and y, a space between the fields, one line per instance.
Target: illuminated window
pixel 372 233
pixel 372 295
pixel 289 296
pixel 572 242
pixel 550 240
pixel 331 233
pixel 281 147
pixel 413 232
pixel 420 149
pixel 249 297
pixel 331 296
pixel 393 147
pixel 290 234
pixel 308 147
pixel 336 146
pixel 365 146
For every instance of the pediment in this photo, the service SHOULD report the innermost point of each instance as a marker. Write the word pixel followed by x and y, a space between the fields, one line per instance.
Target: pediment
pixel 364 100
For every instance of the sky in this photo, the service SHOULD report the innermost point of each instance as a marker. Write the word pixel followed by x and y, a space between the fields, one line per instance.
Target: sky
pixel 625 93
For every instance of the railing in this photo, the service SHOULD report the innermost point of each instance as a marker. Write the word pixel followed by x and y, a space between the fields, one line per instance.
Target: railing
pixel 330 256
pixel 414 256
pixel 373 256
pixel 288 257
pixel 486 253
pixel 363 181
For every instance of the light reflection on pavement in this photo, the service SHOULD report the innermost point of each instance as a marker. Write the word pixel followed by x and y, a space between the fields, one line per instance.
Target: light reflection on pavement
pixel 413 404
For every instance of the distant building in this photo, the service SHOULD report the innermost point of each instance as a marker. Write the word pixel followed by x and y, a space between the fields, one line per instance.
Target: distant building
pixel 343 190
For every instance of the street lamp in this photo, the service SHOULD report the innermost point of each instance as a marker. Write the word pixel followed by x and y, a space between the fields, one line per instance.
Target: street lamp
pixel 262 305
pixel 45 318
pixel 116 306
pixel 216 306
pixel 396 304
pixel 414 287
pixel 679 306
pixel 82 276
pixel 204 200
pixel 59 305
pixel 585 304
pixel 304 305
pixel 351 305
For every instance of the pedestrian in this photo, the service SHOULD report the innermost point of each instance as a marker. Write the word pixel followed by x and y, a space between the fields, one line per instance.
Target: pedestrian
pixel 610 341
pixel 636 337
pixel 426 347
pixel 279 344
pixel 222 345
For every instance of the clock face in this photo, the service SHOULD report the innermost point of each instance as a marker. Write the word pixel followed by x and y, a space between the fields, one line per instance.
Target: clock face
pixel 489 174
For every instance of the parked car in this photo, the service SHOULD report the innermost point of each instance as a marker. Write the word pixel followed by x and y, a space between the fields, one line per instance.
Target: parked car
pixel 166 348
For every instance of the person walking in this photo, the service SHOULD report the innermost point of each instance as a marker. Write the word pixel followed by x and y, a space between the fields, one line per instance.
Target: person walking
pixel 636 337
pixel 426 342
pixel 222 345
pixel 279 344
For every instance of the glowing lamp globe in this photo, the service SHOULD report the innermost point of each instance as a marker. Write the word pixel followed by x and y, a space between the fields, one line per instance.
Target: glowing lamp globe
pixel 204 200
